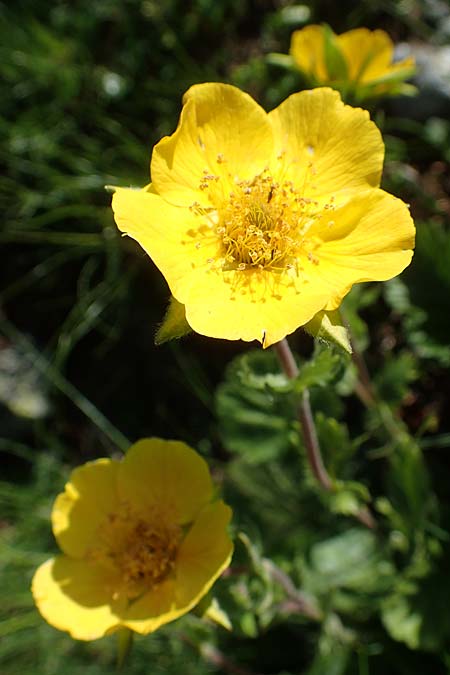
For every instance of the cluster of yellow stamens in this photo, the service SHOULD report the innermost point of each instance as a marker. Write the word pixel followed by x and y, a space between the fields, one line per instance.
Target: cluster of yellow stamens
pixel 261 223
pixel 143 552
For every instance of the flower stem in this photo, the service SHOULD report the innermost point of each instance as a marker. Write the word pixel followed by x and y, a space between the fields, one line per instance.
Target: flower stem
pixel 306 419
pixel 309 432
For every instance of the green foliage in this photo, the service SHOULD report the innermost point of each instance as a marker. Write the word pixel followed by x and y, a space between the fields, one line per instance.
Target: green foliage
pixel 252 418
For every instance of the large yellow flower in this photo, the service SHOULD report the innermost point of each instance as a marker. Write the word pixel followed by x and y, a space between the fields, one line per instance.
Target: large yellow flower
pixel 359 62
pixel 260 221
pixel 143 541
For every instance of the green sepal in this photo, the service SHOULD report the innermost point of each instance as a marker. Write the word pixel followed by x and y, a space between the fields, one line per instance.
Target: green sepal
pixel 124 644
pixel 174 324
pixel 334 58
pixel 282 60
pixel 210 609
pixel 327 327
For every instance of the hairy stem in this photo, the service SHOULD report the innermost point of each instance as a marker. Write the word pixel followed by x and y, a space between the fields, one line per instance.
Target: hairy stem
pixel 306 419
pixel 309 431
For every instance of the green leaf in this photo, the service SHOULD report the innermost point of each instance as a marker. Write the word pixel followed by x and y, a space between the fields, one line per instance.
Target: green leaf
pixel 393 379
pixel 256 418
pixel 418 614
pixel 324 367
pixel 337 448
pixel 408 488
pixel 174 324
pixel 261 370
pixel 327 327
pixel 334 649
pixel 351 561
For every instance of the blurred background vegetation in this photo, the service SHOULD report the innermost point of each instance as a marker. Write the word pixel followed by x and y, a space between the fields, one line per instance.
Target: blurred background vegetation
pixel 87 89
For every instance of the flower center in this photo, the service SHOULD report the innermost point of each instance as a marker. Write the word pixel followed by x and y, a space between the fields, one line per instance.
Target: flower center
pixel 149 554
pixel 260 224
pixel 143 552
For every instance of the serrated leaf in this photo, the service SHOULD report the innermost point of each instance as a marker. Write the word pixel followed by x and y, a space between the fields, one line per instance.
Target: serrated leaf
pixel 328 327
pixel 255 415
pixel 261 370
pixel 174 324
pixel 322 369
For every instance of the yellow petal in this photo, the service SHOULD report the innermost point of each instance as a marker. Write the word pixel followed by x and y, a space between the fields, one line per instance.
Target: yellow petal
pixel 222 133
pixel 308 51
pixel 369 239
pixel 74 596
pixel 368 53
pixel 250 305
pixel 327 148
pixel 177 239
pixel 89 496
pixel 154 609
pixel 204 554
pixel 166 478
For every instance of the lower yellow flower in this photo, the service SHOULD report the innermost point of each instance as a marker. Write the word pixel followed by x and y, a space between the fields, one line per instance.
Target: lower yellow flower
pixel 260 221
pixel 358 62
pixel 143 542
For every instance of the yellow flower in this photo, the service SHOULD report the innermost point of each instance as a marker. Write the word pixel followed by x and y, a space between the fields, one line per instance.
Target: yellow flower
pixel 358 63
pixel 260 221
pixel 142 539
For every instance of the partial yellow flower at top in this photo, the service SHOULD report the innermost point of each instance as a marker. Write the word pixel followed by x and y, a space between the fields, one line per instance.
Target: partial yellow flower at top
pixel 260 221
pixel 143 541
pixel 358 62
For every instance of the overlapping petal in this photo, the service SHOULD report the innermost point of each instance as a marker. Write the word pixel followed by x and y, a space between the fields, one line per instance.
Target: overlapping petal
pixel 88 497
pixel 179 241
pixel 76 597
pixel 308 51
pixel 369 239
pixel 326 147
pixel 222 132
pixel 204 554
pixel 251 305
pixel 165 477
pixel 367 53
pixel 154 609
